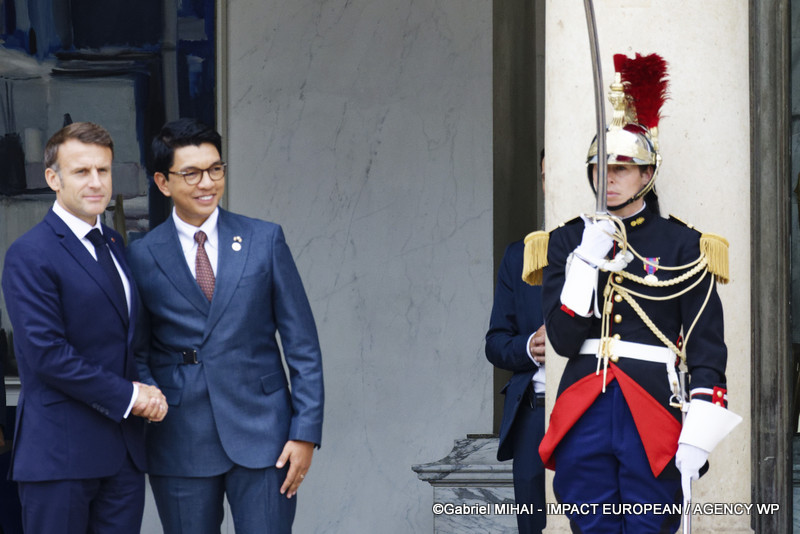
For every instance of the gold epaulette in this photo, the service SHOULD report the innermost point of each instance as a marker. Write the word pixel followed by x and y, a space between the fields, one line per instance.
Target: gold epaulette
pixel 715 249
pixel 535 257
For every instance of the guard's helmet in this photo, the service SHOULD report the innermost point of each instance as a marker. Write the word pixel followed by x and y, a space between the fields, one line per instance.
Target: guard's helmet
pixel 638 91
pixel 629 145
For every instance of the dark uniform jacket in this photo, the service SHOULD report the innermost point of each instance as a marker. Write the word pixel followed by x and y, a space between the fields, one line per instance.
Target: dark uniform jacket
pixel 643 383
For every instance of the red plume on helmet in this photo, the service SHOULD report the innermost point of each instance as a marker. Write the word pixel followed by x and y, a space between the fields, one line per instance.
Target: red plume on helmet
pixel 645 80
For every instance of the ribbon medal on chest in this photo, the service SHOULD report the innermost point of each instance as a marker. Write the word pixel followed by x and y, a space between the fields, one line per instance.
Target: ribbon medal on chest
pixel 650 267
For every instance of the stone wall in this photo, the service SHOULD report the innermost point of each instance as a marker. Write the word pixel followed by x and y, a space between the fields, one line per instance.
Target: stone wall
pixel 365 129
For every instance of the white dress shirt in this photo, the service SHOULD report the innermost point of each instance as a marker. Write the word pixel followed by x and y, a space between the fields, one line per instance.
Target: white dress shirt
pixel 186 233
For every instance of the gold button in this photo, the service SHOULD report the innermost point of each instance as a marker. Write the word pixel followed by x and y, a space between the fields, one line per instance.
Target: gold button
pixel 719 394
pixel 718 403
pixel 617 298
pixel 618 318
pixel 618 279
pixel 617 336
pixel 614 358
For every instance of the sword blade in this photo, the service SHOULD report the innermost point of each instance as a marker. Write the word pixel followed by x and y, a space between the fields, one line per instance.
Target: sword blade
pixel 687 499
pixel 687 513
pixel 601 207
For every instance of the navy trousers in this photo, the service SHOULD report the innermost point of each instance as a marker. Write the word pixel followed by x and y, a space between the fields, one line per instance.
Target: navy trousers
pixel 601 461
pixel 111 505
pixel 194 505
pixel 526 434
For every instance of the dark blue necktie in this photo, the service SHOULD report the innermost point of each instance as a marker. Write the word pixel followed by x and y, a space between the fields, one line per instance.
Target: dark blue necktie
pixel 107 263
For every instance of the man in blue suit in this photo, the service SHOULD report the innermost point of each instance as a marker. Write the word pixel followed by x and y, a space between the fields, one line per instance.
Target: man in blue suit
pixel 516 342
pixel 78 454
pixel 217 287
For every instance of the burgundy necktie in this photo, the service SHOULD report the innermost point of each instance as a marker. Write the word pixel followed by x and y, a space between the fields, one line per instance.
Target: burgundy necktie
pixel 204 273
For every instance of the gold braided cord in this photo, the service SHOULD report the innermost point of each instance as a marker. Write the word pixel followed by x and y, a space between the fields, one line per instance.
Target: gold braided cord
pixel 628 296
pixel 604 352
pixel 697 317
pixel 621 238
pixel 650 324
pixel 699 266
pixel 644 260
pixel 665 297
pixel 695 268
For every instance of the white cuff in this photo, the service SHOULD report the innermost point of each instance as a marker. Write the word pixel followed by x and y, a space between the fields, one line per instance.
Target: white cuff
pixel 133 400
pixel 528 350
pixel 707 424
pixel 579 287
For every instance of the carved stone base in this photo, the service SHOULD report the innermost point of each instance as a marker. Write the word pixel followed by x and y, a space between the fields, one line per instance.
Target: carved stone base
pixel 473 490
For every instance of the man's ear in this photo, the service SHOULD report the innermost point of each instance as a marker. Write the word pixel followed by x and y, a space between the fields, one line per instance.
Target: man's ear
pixel 647 174
pixel 161 183
pixel 52 179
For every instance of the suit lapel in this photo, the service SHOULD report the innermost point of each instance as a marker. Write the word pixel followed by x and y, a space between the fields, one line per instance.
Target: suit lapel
pixel 118 251
pixel 230 264
pixel 76 249
pixel 168 254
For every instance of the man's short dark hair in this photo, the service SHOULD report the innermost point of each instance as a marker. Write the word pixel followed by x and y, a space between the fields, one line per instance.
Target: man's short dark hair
pixel 85 132
pixel 178 134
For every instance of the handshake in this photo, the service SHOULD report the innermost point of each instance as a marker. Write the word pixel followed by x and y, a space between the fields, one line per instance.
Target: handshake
pixel 150 403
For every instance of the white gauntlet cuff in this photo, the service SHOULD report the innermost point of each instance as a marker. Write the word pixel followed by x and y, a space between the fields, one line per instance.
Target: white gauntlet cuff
pixel 707 424
pixel 579 287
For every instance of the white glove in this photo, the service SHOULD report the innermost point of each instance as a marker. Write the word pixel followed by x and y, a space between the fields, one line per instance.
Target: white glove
pixel 580 284
pixel 597 240
pixel 689 459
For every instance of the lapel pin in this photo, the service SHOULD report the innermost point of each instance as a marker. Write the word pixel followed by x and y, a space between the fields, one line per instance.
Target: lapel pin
pixel 237 243
pixel 237 238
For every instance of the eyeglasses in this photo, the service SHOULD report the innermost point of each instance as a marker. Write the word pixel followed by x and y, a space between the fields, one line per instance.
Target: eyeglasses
pixel 193 176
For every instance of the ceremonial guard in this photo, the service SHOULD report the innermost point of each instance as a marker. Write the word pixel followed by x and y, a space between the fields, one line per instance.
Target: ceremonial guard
pixel 630 299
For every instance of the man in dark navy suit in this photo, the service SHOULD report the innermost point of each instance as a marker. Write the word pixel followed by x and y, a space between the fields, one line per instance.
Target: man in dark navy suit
pixel 78 452
pixel 515 342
